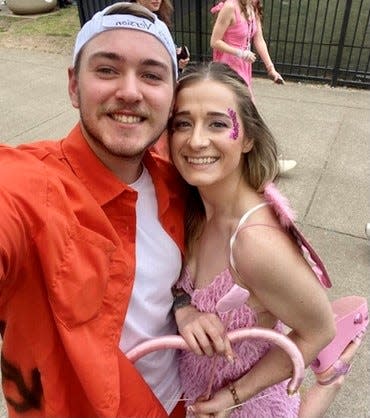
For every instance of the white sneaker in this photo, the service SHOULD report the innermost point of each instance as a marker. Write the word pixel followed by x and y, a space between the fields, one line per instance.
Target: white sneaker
pixel 367 230
pixel 286 165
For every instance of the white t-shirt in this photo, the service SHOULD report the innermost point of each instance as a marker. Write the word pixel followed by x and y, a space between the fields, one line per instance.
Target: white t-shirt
pixel 149 315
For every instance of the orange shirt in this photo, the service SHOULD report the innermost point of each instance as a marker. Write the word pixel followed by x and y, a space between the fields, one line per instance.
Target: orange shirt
pixel 67 264
pixel 162 146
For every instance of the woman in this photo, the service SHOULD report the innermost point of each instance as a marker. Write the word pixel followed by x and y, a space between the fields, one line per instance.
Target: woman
pixel 164 10
pixel 238 27
pixel 240 231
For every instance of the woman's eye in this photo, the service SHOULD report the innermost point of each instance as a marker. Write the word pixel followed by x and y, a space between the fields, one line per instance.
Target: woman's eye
pixel 219 124
pixel 180 124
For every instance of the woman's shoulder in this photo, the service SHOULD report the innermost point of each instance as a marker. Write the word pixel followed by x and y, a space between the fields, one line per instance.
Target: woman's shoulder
pixel 228 7
pixel 260 223
pixel 267 214
pixel 230 3
pixel 255 210
pixel 263 248
pixel 260 232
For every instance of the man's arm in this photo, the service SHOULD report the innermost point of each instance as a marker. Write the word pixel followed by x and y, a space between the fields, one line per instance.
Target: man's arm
pixel 23 186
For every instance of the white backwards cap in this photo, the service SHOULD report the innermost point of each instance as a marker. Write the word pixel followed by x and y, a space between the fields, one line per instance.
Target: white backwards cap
pixel 108 20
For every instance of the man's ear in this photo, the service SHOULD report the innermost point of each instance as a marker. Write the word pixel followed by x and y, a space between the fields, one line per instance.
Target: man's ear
pixel 73 87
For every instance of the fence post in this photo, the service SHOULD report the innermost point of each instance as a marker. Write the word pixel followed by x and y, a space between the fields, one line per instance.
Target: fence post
pixel 198 30
pixel 81 13
pixel 342 38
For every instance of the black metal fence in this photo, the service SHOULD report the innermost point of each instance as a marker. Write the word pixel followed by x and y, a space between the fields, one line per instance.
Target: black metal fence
pixel 318 40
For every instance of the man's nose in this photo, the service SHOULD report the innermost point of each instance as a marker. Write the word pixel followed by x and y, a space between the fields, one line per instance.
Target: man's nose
pixel 129 88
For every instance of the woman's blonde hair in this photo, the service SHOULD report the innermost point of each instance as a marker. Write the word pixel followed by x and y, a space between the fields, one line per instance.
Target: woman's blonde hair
pixel 260 163
pixel 256 5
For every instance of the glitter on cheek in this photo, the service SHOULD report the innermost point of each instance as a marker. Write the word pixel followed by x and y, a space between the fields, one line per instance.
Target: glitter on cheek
pixel 235 129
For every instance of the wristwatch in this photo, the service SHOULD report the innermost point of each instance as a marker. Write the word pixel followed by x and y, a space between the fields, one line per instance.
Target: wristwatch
pixel 180 300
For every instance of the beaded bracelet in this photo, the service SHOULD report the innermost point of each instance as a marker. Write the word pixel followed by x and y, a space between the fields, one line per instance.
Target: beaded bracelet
pixel 235 396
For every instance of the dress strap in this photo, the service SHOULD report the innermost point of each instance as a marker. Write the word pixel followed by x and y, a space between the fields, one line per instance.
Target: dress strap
pixel 241 222
pixel 237 11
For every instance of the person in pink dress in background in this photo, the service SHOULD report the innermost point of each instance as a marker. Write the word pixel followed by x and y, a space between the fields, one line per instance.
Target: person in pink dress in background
pixel 238 27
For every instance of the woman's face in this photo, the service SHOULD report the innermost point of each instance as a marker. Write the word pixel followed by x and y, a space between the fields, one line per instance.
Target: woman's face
pixel 152 5
pixel 207 140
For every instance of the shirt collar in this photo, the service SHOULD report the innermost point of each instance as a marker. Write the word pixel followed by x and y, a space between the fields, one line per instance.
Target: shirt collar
pixel 101 182
pixel 97 178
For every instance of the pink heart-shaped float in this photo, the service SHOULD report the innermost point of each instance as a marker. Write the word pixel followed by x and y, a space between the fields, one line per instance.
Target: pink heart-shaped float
pixel 177 342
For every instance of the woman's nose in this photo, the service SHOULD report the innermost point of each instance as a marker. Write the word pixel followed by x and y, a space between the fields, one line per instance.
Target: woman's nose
pixel 199 139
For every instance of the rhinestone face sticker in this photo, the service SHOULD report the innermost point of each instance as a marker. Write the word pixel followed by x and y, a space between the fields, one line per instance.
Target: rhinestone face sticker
pixel 235 129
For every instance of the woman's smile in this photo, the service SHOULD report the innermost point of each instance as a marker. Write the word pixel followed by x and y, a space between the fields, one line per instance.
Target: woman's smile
pixel 201 160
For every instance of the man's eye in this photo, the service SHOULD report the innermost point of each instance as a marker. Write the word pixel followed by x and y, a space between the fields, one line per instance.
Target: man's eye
pixel 153 77
pixel 105 71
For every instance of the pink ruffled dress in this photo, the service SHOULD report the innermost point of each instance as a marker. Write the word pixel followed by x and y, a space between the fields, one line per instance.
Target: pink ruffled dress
pixel 195 371
pixel 239 35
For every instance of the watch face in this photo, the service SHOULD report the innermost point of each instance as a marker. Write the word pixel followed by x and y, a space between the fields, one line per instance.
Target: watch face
pixel 180 300
pixel 184 53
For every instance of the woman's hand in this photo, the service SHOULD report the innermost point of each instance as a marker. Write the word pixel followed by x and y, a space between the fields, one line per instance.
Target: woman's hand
pixel 183 63
pixel 220 406
pixel 249 56
pixel 203 332
pixel 275 76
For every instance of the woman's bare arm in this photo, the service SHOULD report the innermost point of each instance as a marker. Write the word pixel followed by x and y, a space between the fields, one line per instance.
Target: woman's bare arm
pixel 224 19
pixel 283 282
pixel 260 46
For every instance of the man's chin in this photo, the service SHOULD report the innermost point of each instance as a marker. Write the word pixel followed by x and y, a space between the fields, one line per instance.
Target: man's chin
pixel 118 146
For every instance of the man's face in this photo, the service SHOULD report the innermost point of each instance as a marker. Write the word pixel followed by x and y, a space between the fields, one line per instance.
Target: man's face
pixel 124 91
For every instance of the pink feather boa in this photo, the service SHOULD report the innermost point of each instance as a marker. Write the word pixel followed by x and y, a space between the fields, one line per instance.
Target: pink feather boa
pixel 280 204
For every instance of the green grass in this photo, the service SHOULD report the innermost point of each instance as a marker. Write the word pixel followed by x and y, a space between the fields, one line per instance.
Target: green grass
pixel 52 32
pixel 63 22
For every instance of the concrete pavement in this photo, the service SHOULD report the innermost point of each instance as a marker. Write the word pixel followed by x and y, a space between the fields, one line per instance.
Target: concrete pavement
pixel 326 130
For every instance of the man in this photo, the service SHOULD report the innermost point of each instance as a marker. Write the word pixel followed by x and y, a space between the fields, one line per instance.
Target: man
pixel 91 235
